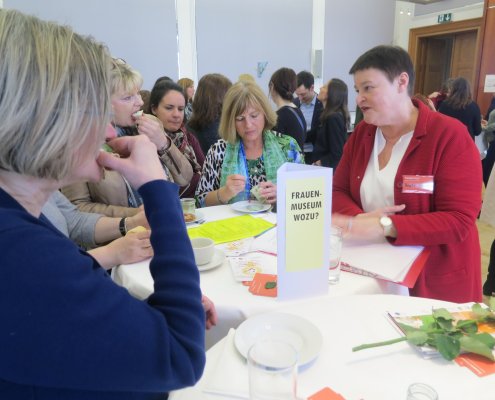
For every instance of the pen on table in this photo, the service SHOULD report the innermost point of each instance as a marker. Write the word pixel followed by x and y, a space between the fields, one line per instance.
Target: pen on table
pixel 266 230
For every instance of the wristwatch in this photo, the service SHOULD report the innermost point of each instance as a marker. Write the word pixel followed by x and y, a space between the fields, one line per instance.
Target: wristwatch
pixel 386 223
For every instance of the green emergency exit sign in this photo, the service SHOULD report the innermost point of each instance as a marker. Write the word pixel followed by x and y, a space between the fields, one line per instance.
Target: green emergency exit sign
pixel 443 18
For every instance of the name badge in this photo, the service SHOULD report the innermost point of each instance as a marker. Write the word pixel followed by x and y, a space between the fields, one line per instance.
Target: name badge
pixel 417 184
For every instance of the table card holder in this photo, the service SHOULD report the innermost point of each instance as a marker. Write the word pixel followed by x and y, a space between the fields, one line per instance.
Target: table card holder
pixel 304 209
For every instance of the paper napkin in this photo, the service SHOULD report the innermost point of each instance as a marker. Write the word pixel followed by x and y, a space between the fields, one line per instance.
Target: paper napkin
pixel 229 377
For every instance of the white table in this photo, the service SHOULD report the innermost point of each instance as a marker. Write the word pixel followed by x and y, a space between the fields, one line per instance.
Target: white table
pixel 233 301
pixel 374 374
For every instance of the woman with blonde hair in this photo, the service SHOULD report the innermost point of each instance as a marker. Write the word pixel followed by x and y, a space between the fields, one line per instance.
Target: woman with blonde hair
pixel 68 332
pixel 187 85
pixel 248 153
pixel 113 196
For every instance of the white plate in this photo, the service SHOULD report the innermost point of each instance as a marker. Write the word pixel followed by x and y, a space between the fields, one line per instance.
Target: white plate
pixel 303 335
pixel 199 218
pixel 250 206
pixel 216 261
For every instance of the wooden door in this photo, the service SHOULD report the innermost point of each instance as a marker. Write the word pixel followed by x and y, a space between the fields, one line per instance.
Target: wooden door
pixel 464 56
pixel 436 63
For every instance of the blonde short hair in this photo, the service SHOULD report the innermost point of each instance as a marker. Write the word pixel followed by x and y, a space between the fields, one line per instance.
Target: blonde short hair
pixel 237 99
pixel 124 77
pixel 54 96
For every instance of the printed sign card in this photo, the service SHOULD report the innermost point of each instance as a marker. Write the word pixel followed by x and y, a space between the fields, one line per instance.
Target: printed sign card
pixel 304 209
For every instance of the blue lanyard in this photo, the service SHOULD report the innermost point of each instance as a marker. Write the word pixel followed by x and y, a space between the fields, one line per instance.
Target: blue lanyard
pixel 248 177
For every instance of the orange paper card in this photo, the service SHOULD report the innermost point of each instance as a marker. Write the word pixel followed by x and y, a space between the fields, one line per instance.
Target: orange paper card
pixel 326 394
pixel 264 285
pixel 481 366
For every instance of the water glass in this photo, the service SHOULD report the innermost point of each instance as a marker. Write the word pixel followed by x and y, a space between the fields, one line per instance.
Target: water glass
pixel 335 253
pixel 188 209
pixel 272 368
pixel 421 391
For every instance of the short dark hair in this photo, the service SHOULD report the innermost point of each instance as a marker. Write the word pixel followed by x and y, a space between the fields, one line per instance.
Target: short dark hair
pixel 306 79
pixel 392 60
pixel 284 83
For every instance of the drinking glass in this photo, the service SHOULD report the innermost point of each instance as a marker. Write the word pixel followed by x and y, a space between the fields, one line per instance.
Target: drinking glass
pixel 272 366
pixel 421 391
pixel 335 253
pixel 188 209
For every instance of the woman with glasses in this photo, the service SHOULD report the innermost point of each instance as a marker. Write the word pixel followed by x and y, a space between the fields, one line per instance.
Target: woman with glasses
pixel 113 196
pixel 68 332
pixel 248 153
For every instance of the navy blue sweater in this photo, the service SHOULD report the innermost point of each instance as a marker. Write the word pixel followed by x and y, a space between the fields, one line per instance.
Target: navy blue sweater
pixel 68 332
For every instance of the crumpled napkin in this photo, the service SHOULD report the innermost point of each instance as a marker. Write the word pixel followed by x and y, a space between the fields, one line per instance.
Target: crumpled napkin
pixel 229 376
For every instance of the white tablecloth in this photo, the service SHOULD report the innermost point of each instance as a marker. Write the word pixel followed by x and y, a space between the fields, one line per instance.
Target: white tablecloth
pixel 374 374
pixel 233 301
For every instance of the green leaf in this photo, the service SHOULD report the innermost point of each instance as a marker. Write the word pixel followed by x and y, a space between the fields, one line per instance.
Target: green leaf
pixel 445 324
pixel 417 337
pixel 471 344
pixel 448 347
pixel 270 285
pixel 485 338
pixel 479 311
pixel 442 313
pixel 467 326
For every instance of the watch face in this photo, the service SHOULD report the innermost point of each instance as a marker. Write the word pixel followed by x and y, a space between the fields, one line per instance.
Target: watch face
pixel 385 222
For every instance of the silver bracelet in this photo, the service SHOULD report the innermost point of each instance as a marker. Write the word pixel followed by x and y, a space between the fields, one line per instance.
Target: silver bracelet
pixel 219 199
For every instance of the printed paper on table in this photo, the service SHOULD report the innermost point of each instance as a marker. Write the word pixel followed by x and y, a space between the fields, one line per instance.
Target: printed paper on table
pixel 304 205
pixel 382 260
pixel 479 365
pixel 230 229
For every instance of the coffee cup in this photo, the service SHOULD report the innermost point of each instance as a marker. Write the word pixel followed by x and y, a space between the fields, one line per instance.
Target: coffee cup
pixel 204 249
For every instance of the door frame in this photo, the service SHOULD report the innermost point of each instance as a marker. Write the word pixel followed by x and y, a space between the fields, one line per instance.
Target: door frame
pixel 415 50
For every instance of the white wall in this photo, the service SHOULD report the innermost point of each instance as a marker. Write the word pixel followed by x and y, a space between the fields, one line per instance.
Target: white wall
pixel 233 36
pixel 144 33
pixel 351 28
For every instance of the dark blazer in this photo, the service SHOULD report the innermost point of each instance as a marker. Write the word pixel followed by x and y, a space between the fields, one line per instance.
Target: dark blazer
pixel 315 121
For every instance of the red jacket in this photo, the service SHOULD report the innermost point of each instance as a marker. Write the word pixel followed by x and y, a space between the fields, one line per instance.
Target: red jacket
pixel 443 221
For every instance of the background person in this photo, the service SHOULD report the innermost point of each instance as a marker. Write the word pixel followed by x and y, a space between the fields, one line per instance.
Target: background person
pixel 167 103
pixel 397 138
pixel 290 120
pixel 119 347
pixel 335 122
pixel 96 231
pixel 187 85
pixel 249 153
pixel 459 105
pixel 311 108
pixel 208 102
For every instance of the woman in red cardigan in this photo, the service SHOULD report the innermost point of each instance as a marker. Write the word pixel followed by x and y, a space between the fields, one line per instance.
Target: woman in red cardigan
pixel 374 195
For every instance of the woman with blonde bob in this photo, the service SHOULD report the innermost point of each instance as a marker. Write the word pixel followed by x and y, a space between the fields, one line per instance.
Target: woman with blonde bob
pixel 67 330
pixel 248 153
pixel 113 196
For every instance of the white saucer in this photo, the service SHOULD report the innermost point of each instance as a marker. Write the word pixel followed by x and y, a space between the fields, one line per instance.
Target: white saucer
pixel 216 261
pixel 302 334
pixel 250 206
pixel 199 218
